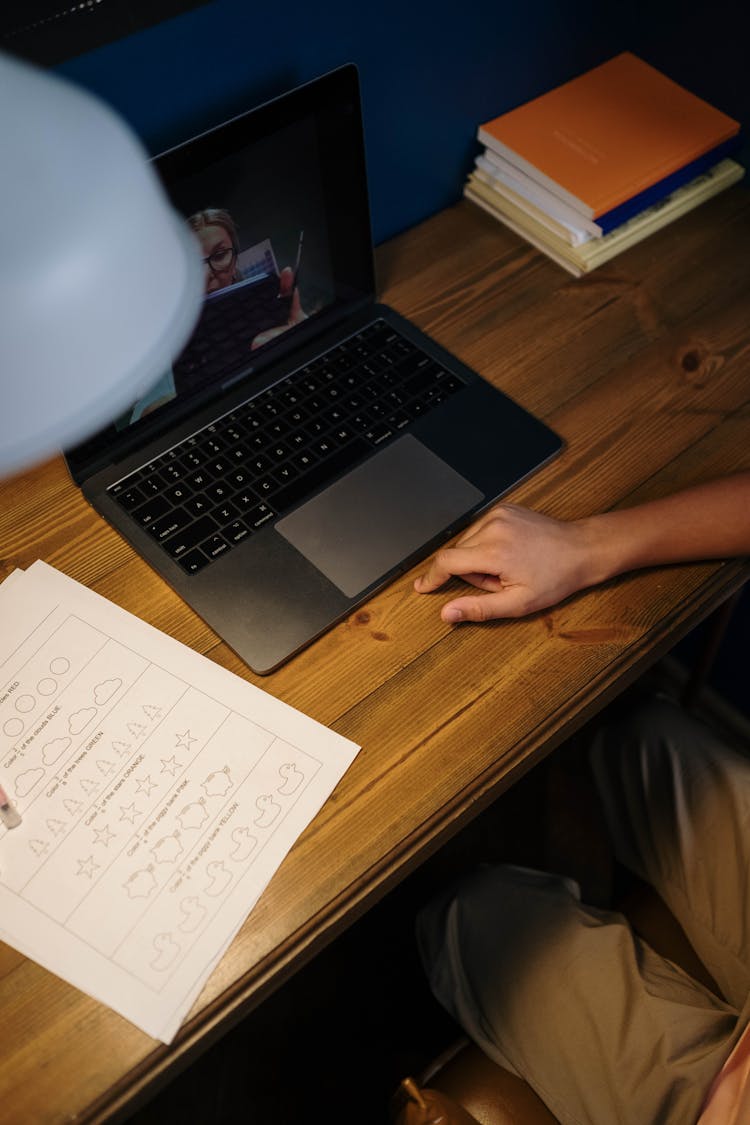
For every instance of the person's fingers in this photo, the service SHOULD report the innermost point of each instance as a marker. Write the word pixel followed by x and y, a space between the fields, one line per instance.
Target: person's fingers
pixel 287 287
pixel 511 601
pixel 296 314
pixel 286 281
pixel 454 561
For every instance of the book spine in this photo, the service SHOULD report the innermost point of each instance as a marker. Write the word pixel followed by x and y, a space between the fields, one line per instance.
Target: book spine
pixel 684 199
pixel 644 199
pixel 504 174
pixel 575 236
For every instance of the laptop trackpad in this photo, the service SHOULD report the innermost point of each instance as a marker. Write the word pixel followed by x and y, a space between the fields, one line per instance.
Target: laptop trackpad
pixel 379 514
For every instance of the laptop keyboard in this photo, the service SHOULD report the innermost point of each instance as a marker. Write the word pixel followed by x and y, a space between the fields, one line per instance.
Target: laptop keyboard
pixel 216 488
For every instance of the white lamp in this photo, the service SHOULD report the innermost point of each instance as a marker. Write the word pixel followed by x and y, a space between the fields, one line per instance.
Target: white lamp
pixel 100 281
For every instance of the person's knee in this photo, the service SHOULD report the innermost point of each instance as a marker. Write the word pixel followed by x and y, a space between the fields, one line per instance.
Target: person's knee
pixel 501 926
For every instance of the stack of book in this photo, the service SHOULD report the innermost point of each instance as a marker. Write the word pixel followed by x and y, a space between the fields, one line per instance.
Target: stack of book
pixel 594 166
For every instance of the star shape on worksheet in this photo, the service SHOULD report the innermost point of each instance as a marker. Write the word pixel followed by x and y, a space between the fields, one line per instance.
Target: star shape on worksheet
pixel 185 741
pixel 103 835
pixel 170 765
pixel 145 784
pixel 87 867
pixel 129 812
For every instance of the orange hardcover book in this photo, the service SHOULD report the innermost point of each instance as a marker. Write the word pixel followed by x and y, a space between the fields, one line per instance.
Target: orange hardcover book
pixel 609 134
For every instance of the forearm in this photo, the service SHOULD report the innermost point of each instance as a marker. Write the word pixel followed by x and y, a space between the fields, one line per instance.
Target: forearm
pixel 708 521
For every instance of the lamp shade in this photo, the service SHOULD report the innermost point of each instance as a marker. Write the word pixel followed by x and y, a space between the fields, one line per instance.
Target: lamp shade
pixel 100 281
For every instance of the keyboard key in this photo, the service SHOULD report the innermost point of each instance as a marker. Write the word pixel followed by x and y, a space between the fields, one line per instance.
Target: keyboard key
pixel 235 532
pixel 239 455
pixel 200 480
pixel 234 433
pixel 169 525
pixel 245 499
pixel 218 491
pixel 194 458
pixel 220 467
pixel 191 536
pixel 225 513
pixel 194 561
pixel 152 485
pixel 285 473
pixel 304 461
pixel 241 478
pixel 323 447
pixel 215 546
pixel 266 486
pixel 178 494
pixel 399 420
pixel 116 490
pixel 379 433
pixel 259 464
pixel 130 498
pixel 173 471
pixel 197 505
pixel 151 510
pixel 258 516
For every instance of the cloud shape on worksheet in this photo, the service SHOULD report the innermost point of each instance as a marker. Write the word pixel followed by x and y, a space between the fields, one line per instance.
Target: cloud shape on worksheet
pixel 51 751
pixel 104 691
pixel 79 720
pixel 26 781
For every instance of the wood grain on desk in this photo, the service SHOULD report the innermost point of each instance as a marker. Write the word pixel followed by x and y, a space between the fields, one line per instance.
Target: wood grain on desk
pixel 644 368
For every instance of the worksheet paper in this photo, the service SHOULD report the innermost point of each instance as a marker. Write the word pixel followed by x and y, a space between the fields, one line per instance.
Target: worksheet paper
pixel 158 793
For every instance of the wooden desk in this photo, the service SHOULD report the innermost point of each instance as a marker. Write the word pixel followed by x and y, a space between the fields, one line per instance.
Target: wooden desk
pixel 644 368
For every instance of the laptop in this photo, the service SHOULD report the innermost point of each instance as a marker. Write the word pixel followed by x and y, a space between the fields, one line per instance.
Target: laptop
pixel 310 443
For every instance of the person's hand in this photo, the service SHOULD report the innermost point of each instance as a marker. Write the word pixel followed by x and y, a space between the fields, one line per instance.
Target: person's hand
pixel 296 312
pixel 521 560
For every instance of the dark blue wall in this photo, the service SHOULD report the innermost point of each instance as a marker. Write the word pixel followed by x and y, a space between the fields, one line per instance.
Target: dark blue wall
pixel 431 72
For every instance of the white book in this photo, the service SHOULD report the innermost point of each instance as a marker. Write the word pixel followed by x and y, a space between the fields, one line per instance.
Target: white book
pixel 573 235
pixel 514 178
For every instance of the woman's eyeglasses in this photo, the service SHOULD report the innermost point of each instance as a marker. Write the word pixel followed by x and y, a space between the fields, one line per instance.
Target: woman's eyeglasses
pixel 221 259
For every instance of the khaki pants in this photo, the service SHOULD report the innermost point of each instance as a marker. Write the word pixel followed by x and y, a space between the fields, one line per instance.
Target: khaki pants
pixel 565 995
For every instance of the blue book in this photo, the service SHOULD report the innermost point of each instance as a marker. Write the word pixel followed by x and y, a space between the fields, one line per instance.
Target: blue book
pixel 637 203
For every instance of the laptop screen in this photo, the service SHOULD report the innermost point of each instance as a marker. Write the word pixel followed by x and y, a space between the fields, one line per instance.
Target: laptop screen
pixel 277 201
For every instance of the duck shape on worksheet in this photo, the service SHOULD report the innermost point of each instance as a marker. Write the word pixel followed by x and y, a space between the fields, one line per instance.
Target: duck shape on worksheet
pixel 244 844
pixel 219 878
pixel 268 810
pixel 193 914
pixel 167 950
pixel 291 777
